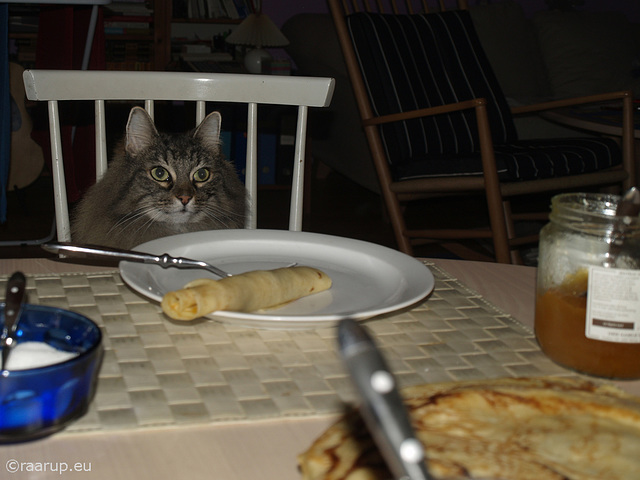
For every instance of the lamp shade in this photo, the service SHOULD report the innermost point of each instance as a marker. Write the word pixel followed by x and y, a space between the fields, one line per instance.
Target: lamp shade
pixel 257 30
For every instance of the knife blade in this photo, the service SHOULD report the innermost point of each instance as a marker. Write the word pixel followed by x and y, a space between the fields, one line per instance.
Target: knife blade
pixel 382 406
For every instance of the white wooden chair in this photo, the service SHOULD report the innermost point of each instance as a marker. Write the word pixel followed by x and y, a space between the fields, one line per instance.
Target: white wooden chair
pixel 54 86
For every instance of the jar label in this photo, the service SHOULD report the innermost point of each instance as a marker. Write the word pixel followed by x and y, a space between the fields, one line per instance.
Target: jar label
pixel 613 305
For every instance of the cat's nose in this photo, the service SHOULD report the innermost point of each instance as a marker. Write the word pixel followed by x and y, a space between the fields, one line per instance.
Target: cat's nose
pixel 184 199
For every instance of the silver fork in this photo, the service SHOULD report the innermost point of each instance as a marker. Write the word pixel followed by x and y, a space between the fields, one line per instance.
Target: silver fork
pixel 165 260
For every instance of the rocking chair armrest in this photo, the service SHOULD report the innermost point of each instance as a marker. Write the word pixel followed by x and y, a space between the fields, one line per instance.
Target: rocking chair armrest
pixel 424 112
pixel 626 116
pixel 568 102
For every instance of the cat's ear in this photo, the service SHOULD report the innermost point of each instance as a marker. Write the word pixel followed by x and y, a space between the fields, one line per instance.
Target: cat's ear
pixel 208 132
pixel 140 131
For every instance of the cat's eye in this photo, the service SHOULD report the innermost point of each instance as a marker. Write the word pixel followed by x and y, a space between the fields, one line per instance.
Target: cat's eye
pixel 160 174
pixel 201 175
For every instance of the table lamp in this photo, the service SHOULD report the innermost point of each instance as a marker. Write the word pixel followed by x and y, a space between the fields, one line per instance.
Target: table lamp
pixel 257 30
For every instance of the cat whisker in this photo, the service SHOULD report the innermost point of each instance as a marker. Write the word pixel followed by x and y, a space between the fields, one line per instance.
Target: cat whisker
pixel 132 217
pixel 128 220
pixel 149 221
pixel 228 212
pixel 219 215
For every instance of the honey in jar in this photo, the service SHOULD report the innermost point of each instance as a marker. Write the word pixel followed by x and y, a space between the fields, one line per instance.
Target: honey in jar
pixel 588 295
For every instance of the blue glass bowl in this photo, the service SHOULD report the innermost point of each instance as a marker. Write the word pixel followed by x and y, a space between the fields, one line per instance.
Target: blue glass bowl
pixel 40 401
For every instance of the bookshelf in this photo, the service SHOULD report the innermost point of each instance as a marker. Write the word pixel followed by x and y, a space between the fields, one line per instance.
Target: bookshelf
pixel 147 35
pixel 23 34
pixel 139 34
pixel 129 33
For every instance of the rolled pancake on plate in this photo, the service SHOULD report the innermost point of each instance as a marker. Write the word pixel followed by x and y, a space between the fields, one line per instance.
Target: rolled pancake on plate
pixel 245 292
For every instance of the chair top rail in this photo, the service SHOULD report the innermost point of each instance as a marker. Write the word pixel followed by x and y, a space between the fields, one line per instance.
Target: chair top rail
pixel 47 85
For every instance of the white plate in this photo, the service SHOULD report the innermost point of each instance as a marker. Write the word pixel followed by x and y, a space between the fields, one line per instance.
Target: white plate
pixel 368 279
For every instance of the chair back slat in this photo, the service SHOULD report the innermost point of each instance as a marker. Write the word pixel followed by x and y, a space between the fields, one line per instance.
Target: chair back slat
pixel 201 111
pixel 63 227
pixel 54 86
pixel 149 106
pixel 251 166
pixel 296 205
pixel 101 139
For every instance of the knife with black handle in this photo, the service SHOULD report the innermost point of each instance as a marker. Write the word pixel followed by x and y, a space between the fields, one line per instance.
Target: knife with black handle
pixel 382 406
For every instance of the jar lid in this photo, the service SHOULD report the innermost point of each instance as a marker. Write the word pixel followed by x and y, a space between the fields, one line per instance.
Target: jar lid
pixel 593 213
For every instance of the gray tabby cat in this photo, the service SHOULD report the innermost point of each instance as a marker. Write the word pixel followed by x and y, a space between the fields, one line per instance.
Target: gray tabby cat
pixel 159 185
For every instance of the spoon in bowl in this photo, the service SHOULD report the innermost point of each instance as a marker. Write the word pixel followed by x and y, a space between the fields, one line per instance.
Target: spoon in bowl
pixel 16 288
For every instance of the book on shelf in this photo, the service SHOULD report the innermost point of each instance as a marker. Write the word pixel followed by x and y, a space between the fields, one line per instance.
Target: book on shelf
pixel 211 9
pixel 244 7
pixel 127 31
pixel 23 24
pixel 195 9
pixel 215 9
pixel 127 26
pixel 23 18
pixel 128 52
pixel 130 18
pixel 128 9
pixel 230 9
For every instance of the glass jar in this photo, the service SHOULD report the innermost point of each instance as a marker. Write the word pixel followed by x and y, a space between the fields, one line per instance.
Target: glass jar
pixel 588 288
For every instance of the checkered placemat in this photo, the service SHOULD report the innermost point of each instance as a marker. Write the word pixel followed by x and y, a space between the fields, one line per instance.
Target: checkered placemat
pixel 159 373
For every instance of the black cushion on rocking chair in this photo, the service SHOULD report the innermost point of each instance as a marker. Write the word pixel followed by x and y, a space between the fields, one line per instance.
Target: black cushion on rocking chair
pixel 410 62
